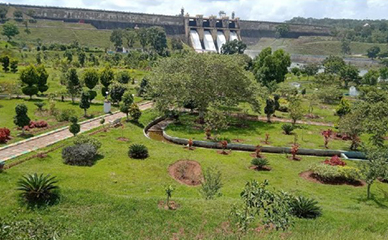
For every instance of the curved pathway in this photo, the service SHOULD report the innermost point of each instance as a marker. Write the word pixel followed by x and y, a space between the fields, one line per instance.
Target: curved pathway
pixel 19 148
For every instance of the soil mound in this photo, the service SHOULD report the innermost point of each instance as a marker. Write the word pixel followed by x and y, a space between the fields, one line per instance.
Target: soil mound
pixel 186 172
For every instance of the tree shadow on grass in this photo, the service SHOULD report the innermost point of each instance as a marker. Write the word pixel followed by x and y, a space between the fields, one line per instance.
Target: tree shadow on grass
pixel 140 125
pixel 26 135
pixel 380 202
pixel 31 204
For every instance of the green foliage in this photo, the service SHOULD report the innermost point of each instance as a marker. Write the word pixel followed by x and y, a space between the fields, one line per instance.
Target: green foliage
pixel 260 162
pixel 351 125
pixel 85 139
pixel 68 54
pixel 216 119
pixel 371 77
pixel 373 52
pixel 21 119
pixel 79 155
pixel 38 189
pixel 135 112
pixel 73 85
pixel 303 207
pixel 40 105
pixel 29 78
pixel 288 128
pixel 176 44
pixel 5 61
pixel 90 78
pixel 32 229
pixel 82 58
pixel 117 37
pixel 270 108
pixel 199 77
pixel 10 30
pixel 376 167
pixel 330 173
pixel 343 108
pixel 168 190
pixel 84 103
pixel 138 151
pixel 310 69
pixel 157 38
pixel 329 94
pixel 211 184
pixel 345 46
pixel 295 109
pixel 271 67
pixel 333 64
pixel 64 115
pixel 125 106
pixel 117 91
pixel 106 78
pixel 272 208
pixel 74 126
pixel 282 30
pixel 350 73
pixel 233 47
pixel 143 88
pixel 123 77
pixel 42 77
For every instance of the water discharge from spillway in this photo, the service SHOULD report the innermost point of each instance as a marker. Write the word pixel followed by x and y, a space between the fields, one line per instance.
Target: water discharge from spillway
pixel 233 36
pixel 195 40
pixel 221 40
pixel 209 42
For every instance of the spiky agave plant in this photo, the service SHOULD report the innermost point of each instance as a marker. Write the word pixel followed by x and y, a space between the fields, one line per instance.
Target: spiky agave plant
pixel 38 188
pixel 303 207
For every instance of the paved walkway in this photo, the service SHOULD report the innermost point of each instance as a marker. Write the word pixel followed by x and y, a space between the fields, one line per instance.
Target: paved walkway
pixel 19 148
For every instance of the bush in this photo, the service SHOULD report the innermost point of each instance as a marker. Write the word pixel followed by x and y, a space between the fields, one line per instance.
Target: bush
pixel 287 128
pixel 38 124
pixel 5 135
pixel 259 162
pixel 334 161
pixel 328 173
pixel 303 207
pixel 84 139
pixel 79 155
pixel 38 189
pixel 138 151
pixel 65 115
pixel 211 183
pixel 283 109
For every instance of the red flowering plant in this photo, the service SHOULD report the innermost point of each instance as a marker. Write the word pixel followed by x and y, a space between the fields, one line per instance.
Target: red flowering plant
pixel 190 143
pixel 266 138
pixel 208 133
pixel 5 135
pixel 335 161
pixel 258 152
pixel 224 145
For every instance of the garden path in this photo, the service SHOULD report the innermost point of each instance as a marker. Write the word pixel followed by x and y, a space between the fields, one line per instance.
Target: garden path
pixel 32 144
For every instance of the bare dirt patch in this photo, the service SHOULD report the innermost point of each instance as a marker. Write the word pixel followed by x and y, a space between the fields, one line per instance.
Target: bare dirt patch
pixel 122 139
pixel 265 168
pixel 187 172
pixel 309 176
pixel 172 205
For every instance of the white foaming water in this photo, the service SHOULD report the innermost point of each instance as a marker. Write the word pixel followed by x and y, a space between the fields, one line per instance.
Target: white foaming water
pixel 195 40
pixel 209 42
pixel 233 36
pixel 221 40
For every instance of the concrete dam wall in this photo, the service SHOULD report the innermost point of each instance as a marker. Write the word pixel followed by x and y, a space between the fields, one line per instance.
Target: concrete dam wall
pixel 250 31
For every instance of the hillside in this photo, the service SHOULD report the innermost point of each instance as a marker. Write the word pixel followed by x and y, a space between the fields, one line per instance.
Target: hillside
pixel 314 46
pixel 60 32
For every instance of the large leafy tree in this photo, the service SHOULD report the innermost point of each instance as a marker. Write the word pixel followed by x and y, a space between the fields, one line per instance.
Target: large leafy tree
pixel 333 64
pixel 270 68
pixel 73 85
pixel 10 30
pixel 130 37
pixel 117 38
pixel 351 125
pixel 90 78
pixel 157 39
pixel 371 77
pixel 84 102
pixel 117 91
pixel 373 52
pixel 295 109
pixel 204 79
pixel 125 105
pixel 310 69
pixel 349 73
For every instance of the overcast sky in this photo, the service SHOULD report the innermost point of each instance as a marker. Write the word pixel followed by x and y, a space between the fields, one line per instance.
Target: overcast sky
pixel 268 10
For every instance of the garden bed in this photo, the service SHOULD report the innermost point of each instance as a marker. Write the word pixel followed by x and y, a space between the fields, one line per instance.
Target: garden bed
pixel 187 172
pixel 310 176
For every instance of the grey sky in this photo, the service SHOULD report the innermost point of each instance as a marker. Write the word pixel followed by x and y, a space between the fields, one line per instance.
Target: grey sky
pixel 269 10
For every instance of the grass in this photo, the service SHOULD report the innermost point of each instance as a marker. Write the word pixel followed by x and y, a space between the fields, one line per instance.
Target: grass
pixel 117 198
pixel 314 46
pixel 7 112
pixel 308 136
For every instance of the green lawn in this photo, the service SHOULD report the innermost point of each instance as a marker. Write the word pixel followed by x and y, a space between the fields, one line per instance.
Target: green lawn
pixel 7 112
pixel 308 136
pixel 117 198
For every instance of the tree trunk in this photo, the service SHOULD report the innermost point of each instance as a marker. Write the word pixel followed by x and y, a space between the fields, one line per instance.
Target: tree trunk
pixel 268 118
pixel 85 115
